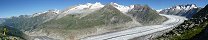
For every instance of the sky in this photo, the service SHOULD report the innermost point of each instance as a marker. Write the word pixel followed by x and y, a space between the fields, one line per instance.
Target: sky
pixel 10 8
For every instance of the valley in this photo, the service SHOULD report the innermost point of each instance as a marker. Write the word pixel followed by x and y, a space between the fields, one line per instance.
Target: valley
pixel 109 21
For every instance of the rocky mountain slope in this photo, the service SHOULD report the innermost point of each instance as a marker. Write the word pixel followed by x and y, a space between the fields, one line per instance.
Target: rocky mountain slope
pixel 202 15
pixel 189 29
pixel 28 22
pixel 145 15
pixel 182 10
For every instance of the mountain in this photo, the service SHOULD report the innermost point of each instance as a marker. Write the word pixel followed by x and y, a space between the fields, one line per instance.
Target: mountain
pixel 108 14
pixel 122 8
pixel 28 22
pixel 193 29
pixel 84 20
pixel 201 18
pixel 80 25
pixel 2 20
pixel 80 9
pixel 182 10
pixel 145 15
pixel 202 13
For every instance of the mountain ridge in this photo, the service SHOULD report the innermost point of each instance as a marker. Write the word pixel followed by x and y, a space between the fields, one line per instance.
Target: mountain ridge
pixel 186 10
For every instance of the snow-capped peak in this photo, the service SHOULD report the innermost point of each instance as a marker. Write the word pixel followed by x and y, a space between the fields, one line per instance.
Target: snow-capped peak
pixel 193 6
pixel 36 14
pixel 122 8
pixel 88 6
pixel 159 10
pixel 98 5
pixel 185 7
pixel 54 10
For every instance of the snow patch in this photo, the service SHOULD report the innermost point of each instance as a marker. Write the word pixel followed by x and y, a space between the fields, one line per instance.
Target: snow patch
pixel 96 5
pixel 82 8
pixel 123 8
pixel 185 7
pixel 159 10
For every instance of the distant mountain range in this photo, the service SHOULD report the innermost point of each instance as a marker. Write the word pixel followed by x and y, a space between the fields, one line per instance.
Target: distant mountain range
pixel 182 10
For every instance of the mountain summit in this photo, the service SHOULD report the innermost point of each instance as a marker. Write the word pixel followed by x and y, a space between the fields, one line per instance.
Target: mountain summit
pixel 122 8
pixel 145 15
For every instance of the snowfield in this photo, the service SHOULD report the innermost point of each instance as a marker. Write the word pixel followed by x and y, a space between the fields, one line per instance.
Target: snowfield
pixel 172 22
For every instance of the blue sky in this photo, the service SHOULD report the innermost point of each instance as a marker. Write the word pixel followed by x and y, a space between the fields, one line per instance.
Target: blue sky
pixel 10 8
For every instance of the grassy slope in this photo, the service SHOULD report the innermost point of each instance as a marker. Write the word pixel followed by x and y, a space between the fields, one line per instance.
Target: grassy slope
pixel 190 33
pixel 185 35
